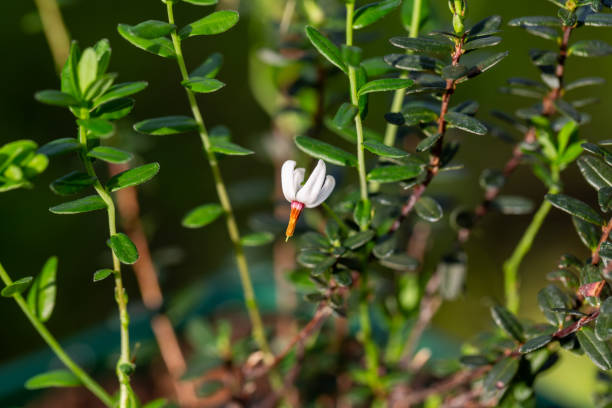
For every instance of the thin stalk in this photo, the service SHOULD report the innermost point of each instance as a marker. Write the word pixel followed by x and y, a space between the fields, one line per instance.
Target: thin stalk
pixel 55 31
pixel 335 217
pixel 232 226
pixel 352 74
pixel 511 266
pixel 42 330
pixel 398 96
pixel 120 296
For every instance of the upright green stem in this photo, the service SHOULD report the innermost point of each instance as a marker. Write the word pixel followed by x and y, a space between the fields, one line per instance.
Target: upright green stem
pixel 124 363
pixel 398 96
pixel 87 381
pixel 232 226
pixel 55 31
pixel 511 266
pixel 352 74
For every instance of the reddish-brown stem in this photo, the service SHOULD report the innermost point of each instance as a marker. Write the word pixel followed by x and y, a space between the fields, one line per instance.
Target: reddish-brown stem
pixel 605 233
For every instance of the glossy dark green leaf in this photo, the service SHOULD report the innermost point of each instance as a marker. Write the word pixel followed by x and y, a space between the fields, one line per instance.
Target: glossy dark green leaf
pixel 114 109
pixel 582 82
pixel 427 143
pixel 589 234
pixel 536 343
pixel 485 64
pixel 595 171
pixel 123 248
pixel 418 114
pixel 603 324
pixel 362 214
pixel 482 42
pixel 152 29
pixel 55 378
pixel 428 209
pixel 121 90
pixel 203 85
pixel 110 154
pixel 209 68
pixel 345 115
pixel 325 151
pixel 548 33
pixel 161 46
pixel 487 26
pixel 202 215
pixel 229 148
pixel 421 44
pixel 17 287
pixel 531 21
pixel 326 48
pixel 257 239
pixel 371 13
pixel 501 374
pixel 311 258
pixel 381 149
pixel 400 262
pixel 72 183
pixel 57 98
pixel 604 198
pixel 81 205
pixel 201 2
pixel 566 277
pixel 526 93
pixel 167 125
pixel 597 350
pixel 454 72
pixel 60 146
pixel 41 297
pixel 100 85
pixel 102 274
pixel 133 177
pixel 551 298
pixel 598 20
pixel 465 122
pixel 590 48
pixel 576 208
pixel 568 110
pixel 69 75
pixel 359 239
pixel 214 23
pixel 508 322
pixel 393 173
pixel 97 127
pixel 412 62
pixel 474 360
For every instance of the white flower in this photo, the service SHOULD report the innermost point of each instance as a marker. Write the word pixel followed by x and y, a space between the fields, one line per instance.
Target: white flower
pixel 311 194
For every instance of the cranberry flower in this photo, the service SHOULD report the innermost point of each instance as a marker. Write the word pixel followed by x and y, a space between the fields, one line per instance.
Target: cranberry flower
pixel 311 194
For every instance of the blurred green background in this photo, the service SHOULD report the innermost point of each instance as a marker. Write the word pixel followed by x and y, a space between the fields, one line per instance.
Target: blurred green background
pixel 30 234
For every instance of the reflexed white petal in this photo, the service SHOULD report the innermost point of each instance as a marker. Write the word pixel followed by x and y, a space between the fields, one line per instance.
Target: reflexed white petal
pixel 298 177
pixel 287 180
pixel 326 190
pixel 310 191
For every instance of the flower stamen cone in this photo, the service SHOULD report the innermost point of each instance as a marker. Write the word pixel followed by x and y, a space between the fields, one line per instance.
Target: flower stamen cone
pixel 316 190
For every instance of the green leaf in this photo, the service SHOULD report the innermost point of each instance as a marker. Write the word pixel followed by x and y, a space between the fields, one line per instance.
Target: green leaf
pixel 326 48
pixel 159 46
pixel 72 183
pixel 123 248
pixel 351 55
pixel 69 76
pixel 598 20
pixel 114 109
pixel 257 239
pixel 371 13
pixel 508 322
pixel 465 122
pixel 120 91
pixel 167 125
pixel 214 23
pixel 345 114
pixel 501 374
pixel 393 173
pixel 595 171
pixel 103 54
pixel 535 21
pixel 485 64
pixel 57 98
pixel 203 85
pixel 589 234
pixel 604 198
pixel 548 33
pixel 87 69
pixel 454 72
pixel 132 177
pixel 420 44
pixel 152 29
pixel 362 214
pixel 41 297
pixel 428 209
pixel 427 143
pixel 487 26
pixel 55 378
pixel 99 86
pixel 202 2
pixel 590 48
pixel 110 154
pixel 550 299
pixel 325 151
pixel 60 146
pixel 97 127
pixel 597 350
pixel 359 239
pixel 383 150
pixel 603 324
pixel 162 402
pixel 202 215
pixel 482 42
pixel 586 81
pixel 412 62
pixel 384 85
pixel 209 68
pixel 17 287
pixel 535 343
pixel 576 208
pixel 224 147
pixel 102 274
pixel 85 204
pixel 400 262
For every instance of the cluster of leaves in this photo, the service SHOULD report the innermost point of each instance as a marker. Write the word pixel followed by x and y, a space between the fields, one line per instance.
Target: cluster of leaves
pixel 19 164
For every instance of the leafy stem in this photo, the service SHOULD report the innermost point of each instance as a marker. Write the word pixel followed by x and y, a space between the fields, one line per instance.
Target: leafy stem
pixel 42 330
pixel 120 294
pixel 232 226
